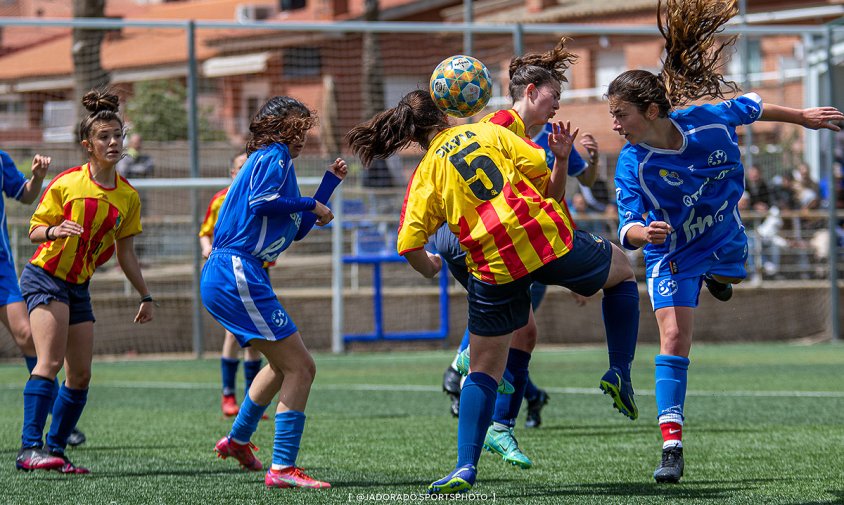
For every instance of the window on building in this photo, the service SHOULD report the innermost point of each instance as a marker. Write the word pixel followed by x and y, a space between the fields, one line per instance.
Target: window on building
pixel 735 66
pixel 302 62
pixel 608 65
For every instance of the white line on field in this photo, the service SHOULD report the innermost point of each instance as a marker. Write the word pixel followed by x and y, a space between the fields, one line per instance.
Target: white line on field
pixel 415 388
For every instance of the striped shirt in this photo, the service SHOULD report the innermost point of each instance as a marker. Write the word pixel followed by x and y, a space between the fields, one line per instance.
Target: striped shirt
pixel 106 215
pixel 487 184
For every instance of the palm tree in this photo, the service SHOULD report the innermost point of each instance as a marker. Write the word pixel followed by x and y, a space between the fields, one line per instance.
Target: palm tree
pixel 373 75
pixel 88 72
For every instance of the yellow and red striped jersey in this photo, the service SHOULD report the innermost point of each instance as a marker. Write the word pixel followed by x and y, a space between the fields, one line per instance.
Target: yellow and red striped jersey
pixel 510 119
pixel 211 215
pixel 207 228
pixel 106 214
pixel 488 185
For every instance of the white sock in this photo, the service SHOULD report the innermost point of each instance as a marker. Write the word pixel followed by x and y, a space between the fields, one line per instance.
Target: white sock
pixel 672 443
pixel 279 468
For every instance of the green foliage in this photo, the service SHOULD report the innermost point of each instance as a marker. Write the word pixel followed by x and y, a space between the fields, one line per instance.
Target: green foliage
pixel 378 423
pixel 158 111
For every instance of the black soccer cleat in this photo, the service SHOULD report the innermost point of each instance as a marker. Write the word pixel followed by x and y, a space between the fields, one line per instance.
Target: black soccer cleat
pixel 451 385
pixel 534 409
pixel 719 290
pixel 76 438
pixel 671 468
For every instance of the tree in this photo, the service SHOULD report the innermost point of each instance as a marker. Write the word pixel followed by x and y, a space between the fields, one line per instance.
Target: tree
pixel 88 72
pixel 158 111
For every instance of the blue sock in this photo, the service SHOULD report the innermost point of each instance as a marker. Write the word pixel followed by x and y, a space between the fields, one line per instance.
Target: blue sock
pixel 228 367
pixel 31 361
pixel 621 322
pixel 250 370
pixel 247 420
pixel 288 433
pixel 66 413
pixel 531 391
pixel 670 375
pixel 465 342
pixel 38 394
pixel 477 401
pixel 507 406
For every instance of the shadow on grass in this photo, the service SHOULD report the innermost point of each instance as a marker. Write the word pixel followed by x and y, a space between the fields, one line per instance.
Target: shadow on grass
pixel 837 500
pixel 693 490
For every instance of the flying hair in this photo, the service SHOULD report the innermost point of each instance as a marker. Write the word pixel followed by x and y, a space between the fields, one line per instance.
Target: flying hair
pixel 556 61
pixel 691 66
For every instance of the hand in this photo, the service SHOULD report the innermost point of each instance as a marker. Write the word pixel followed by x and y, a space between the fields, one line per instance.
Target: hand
pixel 40 164
pixel 561 138
pixel 657 232
pixel 144 314
pixel 339 168
pixel 324 215
pixel 591 145
pixel 206 251
pixel 437 260
pixel 822 117
pixel 66 229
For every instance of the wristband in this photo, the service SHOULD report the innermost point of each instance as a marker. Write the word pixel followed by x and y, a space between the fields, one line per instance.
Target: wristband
pixel 147 298
pixel 47 233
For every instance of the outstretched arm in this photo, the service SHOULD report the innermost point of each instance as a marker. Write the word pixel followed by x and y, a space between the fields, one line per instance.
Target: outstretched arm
pixel 813 118
pixel 332 178
pixel 32 189
pixel 560 141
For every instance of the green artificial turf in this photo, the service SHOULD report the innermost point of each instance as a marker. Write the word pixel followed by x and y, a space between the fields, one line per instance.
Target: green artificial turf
pixel 764 426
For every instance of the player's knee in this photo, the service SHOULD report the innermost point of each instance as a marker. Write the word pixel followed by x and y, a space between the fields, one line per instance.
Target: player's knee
pixel 79 379
pixel 525 338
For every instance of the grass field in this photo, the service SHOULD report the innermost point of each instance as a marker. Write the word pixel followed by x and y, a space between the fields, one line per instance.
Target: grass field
pixel 765 424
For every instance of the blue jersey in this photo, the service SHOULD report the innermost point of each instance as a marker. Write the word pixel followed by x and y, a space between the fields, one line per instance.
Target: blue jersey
pixel 266 176
pixel 12 182
pixel 576 163
pixel 695 189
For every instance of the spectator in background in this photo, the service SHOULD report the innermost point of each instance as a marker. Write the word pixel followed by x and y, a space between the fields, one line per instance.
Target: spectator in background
pixel 135 165
pixel 757 190
pixel 782 195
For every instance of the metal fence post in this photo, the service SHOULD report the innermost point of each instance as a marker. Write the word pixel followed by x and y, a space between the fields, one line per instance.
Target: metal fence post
pixel 193 142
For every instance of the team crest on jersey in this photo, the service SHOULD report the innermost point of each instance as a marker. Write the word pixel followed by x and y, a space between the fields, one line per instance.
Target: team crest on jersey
pixel 279 319
pixel 596 238
pixel 667 287
pixel 672 178
pixel 718 157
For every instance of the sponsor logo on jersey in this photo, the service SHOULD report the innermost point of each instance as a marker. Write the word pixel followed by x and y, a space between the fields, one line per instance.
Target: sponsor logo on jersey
pixel 672 178
pixel 717 157
pixel 667 287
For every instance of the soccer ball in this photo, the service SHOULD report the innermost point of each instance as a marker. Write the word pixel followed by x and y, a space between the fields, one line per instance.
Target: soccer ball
pixel 460 86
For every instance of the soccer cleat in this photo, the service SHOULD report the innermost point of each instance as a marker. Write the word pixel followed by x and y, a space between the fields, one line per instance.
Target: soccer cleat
pixel 621 392
pixel 230 406
pixel 459 480
pixel 293 476
pixel 69 467
pixel 451 385
pixel 534 409
pixel 503 443
pixel 719 290
pixel 35 458
pixel 76 438
pixel 504 387
pixel 671 468
pixel 241 452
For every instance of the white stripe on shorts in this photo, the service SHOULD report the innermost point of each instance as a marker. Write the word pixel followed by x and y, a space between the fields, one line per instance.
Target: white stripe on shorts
pixel 246 298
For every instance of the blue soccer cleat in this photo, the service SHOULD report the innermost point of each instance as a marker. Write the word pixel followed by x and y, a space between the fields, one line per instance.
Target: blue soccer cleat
pixel 621 392
pixel 458 481
pixel 504 387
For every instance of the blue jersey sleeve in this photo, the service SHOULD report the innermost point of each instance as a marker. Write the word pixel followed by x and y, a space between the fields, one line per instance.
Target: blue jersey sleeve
pixel 267 184
pixel 13 179
pixel 743 110
pixel 629 196
pixel 577 165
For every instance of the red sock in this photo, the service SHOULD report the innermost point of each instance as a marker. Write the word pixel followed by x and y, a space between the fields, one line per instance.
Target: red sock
pixel 671 431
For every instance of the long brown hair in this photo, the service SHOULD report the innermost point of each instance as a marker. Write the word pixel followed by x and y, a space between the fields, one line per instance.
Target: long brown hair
pixel 691 68
pixel 281 120
pixel 102 106
pixel 540 68
pixel 412 120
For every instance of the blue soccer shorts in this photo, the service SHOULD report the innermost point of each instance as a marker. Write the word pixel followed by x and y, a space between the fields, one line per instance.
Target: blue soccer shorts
pixel 10 292
pixel 236 290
